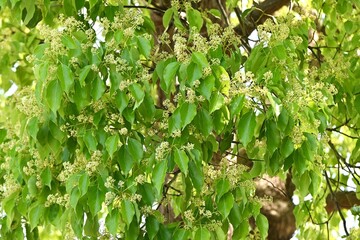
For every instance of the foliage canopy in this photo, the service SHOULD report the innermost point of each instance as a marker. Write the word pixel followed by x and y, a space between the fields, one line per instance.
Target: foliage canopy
pixel 114 124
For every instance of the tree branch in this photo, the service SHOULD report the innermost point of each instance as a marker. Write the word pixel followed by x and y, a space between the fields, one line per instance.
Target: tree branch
pixel 336 203
pixel 260 13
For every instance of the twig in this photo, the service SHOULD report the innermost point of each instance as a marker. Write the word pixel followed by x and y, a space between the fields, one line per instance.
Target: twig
pixel 145 7
pixel 223 12
pixel 275 187
pixel 342 133
pixel 336 203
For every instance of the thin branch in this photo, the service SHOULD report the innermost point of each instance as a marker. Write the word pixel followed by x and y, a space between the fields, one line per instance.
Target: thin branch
pixel 223 12
pixel 336 203
pixel 275 187
pixel 146 7
pixel 342 159
pixel 342 133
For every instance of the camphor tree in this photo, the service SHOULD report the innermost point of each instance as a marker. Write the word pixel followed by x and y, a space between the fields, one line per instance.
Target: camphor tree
pixel 171 120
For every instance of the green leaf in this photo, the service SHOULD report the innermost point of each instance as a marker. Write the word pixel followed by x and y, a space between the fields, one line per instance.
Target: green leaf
pixel 246 128
pixel 175 121
pixel 206 86
pixel 236 105
pixel 35 214
pixel 263 225
pixel 83 74
pixel 121 101
pixel 193 73
pixel 46 177
pixel 138 93
pixel 74 197
pixel 222 187
pixel 196 175
pixel 152 226
pixel 182 160
pixel 169 76
pixel 215 12
pixel 280 52
pixel 127 211
pixel 95 199
pixel 272 137
pixel 203 122
pixel 225 204
pixel 3 133
pixel 69 42
pixel 125 160
pixel 98 88
pixel 167 17
pixel 90 141
pixel 93 3
pixel 216 102
pixel 111 144
pixel 200 59
pixel 135 149
pixel 112 221
pixel 181 234
pixel 66 78
pixel 187 113
pixel 84 182
pixel 202 234
pixel 53 95
pixel 32 128
pixel 31 184
pixel 287 147
pixel 158 176
pixel 194 18
pixel 144 46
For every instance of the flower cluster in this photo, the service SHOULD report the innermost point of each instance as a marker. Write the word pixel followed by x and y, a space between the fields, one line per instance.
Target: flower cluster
pixel 57 198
